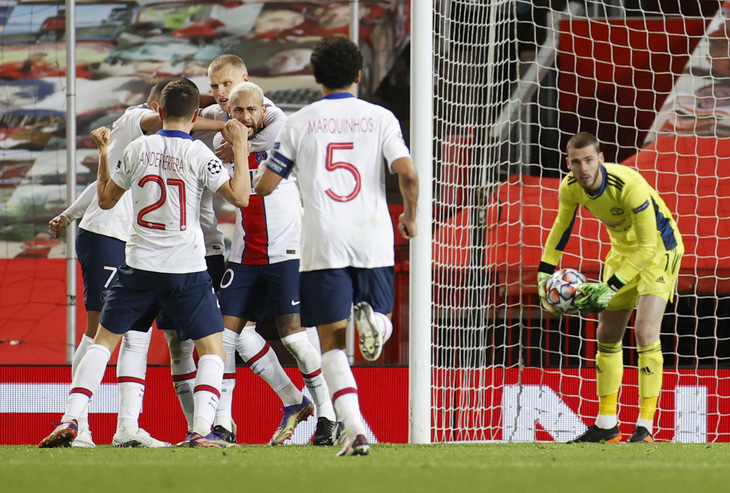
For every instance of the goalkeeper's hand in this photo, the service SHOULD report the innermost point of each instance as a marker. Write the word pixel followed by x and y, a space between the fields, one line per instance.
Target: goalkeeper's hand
pixel 596 297
pixel 542 279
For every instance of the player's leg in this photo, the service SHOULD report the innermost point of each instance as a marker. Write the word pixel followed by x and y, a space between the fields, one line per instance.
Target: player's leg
pixel 224 427
pixel 88 376
pixel 327 297
pixel 309 361
pixel 373 309
pixel 191 302
pixel 656 286
pixel 649 314
pixel 609 372
pixel 182 367
pixel 99 257
pixel 609 358
pixel 131 373
pixel 84 438
pixel 282 280
pixel 241 296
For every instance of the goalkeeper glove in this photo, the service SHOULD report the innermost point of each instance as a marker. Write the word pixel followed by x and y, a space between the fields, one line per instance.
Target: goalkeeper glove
pixel 542 279
pixel 596 296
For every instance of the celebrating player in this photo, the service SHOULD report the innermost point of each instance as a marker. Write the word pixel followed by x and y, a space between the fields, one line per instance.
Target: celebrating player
pixel 100 245
pixel 337 148
pixel 165 265
pixel 263 271
pixel 640 272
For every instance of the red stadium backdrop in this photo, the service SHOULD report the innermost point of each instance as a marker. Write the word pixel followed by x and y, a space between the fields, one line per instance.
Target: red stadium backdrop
pixel 33 397
pixel 695 404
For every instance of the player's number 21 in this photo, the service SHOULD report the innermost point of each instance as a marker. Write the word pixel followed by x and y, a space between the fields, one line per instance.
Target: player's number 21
pixel 173 182
pixel 333 165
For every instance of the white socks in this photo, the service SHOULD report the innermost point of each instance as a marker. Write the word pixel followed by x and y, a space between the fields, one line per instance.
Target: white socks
pixel 207 392
pixel 386 325
pixel 86 380
pixel 131 373
pixel 223 415
pixel 343 390
pixel 183 369
pixel 309 362
pixel 259 356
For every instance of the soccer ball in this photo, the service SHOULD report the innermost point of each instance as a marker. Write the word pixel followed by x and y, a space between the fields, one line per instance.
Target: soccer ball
pixel 562 290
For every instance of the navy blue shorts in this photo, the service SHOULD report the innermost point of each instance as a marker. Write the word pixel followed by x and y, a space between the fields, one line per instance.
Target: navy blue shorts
pixel 187 299
pixel 216 266
pixel 328 294
pixel 100 256
pixel 251 291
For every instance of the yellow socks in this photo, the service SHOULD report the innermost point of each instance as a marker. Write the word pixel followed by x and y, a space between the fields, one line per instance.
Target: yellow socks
pixel 651 365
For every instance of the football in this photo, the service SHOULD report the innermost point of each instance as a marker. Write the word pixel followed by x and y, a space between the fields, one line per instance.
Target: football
pixel 562 290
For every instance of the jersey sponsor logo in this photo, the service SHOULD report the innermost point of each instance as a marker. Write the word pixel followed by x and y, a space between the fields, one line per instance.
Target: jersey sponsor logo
pixel 617 211
pixel 661 280
pixel 119 164
pixel 214 166
pixel 295 303
pixel 641 207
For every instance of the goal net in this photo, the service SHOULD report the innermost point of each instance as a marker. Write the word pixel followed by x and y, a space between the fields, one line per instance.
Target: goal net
pixel 513 81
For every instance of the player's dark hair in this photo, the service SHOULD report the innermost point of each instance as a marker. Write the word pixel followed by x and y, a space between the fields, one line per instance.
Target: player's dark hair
pixel 180 99
pixel 581 140
pixel 156 91
pixel 336 62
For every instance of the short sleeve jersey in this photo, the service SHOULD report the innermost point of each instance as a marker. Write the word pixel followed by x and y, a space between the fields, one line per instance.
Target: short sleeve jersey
pixel 268 231
pixel 117 221
pixel 167 173
pixel 337 149
pixel 214 239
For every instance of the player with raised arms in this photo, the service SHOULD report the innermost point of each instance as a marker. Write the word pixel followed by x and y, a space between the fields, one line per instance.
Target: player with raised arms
pixel 263 271
pixel 640 271
pixel 165 255
pixel 100 244
pixel 338 149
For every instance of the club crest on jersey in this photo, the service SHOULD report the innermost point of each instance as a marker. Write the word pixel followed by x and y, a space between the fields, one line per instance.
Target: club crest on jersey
pixel 260 157
pixel 105 295
pixel 214 166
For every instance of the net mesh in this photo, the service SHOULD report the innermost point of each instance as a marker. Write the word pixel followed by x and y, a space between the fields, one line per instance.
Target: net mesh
pixel 513 81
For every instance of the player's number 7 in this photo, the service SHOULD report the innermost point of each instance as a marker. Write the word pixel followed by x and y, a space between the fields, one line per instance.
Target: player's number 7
pixel 331 165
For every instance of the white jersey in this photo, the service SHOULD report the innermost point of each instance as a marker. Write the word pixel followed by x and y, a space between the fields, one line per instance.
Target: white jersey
pixel 215 242
pixel 169 171
pixel 269 230
pixel 117 221
pixel 214 238
pixel 337 148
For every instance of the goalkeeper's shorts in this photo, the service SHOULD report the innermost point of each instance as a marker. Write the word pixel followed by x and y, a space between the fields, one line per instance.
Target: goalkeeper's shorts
pixel 658 278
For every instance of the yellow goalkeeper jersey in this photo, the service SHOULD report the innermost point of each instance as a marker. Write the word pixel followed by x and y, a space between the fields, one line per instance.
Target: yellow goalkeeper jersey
pixel 638 221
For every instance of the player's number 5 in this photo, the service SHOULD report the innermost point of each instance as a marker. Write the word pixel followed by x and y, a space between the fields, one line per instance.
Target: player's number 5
pixel 333 165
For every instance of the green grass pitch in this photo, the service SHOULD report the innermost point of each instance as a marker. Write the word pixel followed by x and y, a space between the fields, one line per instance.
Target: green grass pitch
pixel 493 467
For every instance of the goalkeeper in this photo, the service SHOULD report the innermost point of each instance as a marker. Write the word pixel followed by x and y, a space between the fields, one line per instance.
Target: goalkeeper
pixel 640 271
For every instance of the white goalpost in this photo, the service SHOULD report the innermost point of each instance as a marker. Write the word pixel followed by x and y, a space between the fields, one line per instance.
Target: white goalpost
pixel 512 81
